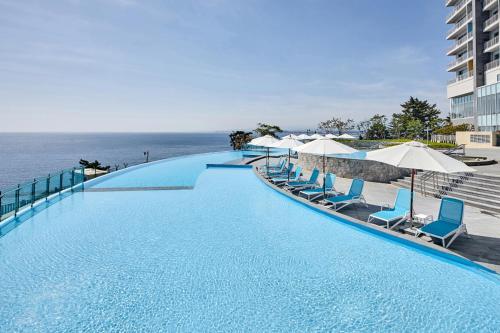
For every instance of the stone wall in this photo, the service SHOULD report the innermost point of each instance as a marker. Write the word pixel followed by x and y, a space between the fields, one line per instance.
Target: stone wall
pixel 351 168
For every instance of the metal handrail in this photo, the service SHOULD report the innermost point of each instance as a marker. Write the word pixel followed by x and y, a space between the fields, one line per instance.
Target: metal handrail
pixel 458 7
pixel 451 151
pixel 461 41
pixel 493 64
pixel 460 24
pixel 491 42
pixel 26 194
pixel 490 21
pixel 487 3
pixel 460 59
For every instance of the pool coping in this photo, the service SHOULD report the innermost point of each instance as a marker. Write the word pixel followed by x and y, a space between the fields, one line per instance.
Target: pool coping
pixel 408 241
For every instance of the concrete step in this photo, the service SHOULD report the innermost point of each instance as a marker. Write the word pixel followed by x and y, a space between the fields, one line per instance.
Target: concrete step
pixel 461 182
pixel 470 200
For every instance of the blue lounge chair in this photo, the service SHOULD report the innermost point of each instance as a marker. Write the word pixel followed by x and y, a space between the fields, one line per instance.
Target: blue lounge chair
pixel 303 184
pixel 398 213
pixel 355 195
pixel 288 170
pixel 314 193
pixel 296 177
pixel 280 166
pixel 449 223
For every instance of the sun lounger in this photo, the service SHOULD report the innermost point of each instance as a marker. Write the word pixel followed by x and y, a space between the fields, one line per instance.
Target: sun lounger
pixel 303 184
pixel 317 192
pixel 398 213
pixel 282 180
pixel 353 196
pixel 449 224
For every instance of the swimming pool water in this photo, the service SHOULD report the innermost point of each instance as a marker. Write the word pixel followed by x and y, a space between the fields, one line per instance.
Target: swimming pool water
pixel 171 172
pixel 230 255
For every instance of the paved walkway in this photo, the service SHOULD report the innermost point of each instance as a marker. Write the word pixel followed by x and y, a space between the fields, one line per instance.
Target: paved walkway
pixel 483 246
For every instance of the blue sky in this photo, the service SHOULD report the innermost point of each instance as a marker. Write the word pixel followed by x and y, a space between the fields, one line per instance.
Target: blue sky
pixel 205 65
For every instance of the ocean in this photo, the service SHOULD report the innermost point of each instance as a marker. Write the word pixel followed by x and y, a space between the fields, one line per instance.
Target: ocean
pixel 24 156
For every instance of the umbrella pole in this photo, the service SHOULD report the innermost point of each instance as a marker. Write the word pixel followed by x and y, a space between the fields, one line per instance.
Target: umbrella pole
pixel 324 178
pixel 289 157
pixel 411 196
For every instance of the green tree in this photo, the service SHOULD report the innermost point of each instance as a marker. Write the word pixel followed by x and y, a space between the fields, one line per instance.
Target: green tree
pixel 239 139
pixel 397 125
pixel 414 129
pixel 426 113
pixel 338 124
pixel 266 129
pixel 378 127
pixel 96 165
pixel 363 127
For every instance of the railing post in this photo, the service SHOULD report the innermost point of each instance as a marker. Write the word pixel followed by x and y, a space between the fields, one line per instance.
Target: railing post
pixel 16 207
pixel 33 185
pixel 47 187
pixel 61 181
pixel 1 209
pixel 72 179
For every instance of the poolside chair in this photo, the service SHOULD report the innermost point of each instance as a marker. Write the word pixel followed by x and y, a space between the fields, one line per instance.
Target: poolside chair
pixel 355 195
pixel 279 167
pixel 304 184
pixel 284 173
pixel 316 192
pixel 449 222
pixel 282 180
pixel 398 213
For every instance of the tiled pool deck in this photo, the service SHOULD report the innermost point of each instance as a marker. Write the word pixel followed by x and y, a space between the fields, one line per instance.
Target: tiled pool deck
pixel 482 247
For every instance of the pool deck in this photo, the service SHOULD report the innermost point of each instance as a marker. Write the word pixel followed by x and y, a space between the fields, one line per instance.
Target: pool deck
pixel 482 247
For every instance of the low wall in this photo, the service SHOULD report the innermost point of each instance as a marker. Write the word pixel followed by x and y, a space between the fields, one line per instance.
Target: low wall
pixel 350 168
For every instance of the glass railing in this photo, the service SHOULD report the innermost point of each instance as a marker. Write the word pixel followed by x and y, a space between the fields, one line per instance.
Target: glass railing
pixel 491 42
pixel 490 21
pixel 488 2
pixel 493 64
pixel 458 7
pixel 27 194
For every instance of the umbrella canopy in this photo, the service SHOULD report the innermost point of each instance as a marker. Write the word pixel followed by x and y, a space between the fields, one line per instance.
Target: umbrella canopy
pixel 331 136
pixel 288 143
pixel 264 141
pixel 415 155
pixel 346 136
pixel 317 136
pixel 303 137
pixel 290 136
pixel 324 147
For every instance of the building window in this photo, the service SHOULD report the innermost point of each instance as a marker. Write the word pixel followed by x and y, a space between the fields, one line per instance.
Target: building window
pixel 480 138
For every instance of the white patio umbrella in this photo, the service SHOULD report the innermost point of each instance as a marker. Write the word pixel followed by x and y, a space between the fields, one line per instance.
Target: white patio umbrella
pixel 331 136
pixel 316 136
pixel 288 143
pixel 415 155
pixel 265 141
pixel 290 136
pixel 303 137
pixel 346 136
pixel 324 147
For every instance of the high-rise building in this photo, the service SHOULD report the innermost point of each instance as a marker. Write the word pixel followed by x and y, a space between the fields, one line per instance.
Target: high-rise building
pixel 474 90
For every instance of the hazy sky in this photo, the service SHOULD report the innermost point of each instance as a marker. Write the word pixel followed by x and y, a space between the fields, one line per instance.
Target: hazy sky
pixel 204 65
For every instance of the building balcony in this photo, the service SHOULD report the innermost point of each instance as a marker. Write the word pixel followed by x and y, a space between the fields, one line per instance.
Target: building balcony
pixel 492 65
pixel 458 11
pixel 491 23
pixel 461 77
pixel 459 62
pixel 460 27
pixel 490 4
pixel 449 3
pixel 460 44
pixel 491 45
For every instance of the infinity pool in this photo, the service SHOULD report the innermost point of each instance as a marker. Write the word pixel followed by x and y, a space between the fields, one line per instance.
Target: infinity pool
pixel 230 255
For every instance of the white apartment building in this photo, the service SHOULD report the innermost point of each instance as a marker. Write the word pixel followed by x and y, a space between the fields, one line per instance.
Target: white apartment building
pixel 474 89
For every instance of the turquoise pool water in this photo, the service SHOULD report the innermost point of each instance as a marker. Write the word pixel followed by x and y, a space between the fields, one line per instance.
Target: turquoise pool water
pixel 230 255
